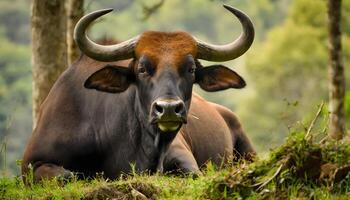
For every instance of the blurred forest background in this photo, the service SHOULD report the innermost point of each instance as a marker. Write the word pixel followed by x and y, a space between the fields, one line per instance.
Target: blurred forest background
pixel 285 69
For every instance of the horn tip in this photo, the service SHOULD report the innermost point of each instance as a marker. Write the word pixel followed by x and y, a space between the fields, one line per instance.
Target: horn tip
pixel 227 6
pixel 99 13
pixel 107 10
pixel 230 8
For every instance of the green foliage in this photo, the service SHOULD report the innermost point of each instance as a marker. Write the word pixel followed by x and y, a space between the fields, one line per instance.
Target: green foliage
pixel 15 100
pixel 291 66
pixel 14 17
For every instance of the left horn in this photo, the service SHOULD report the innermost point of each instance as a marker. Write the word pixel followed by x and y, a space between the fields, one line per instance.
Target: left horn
pixel 232 50
pixel 121 51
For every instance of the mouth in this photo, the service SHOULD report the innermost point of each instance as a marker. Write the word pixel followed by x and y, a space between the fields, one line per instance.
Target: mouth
pixel 169 126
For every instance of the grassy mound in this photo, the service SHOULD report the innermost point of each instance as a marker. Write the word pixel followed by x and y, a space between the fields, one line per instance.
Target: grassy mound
pixel 301 168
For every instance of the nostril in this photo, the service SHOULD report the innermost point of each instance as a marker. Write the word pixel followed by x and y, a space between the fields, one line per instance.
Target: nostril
pixel 179 108
pixel 159 109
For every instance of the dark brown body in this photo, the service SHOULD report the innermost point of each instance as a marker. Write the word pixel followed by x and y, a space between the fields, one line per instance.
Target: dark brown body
pixel 78 131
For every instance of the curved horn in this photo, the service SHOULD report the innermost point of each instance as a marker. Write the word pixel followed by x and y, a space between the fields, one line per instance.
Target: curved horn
pixel 121 51
pixel 232 50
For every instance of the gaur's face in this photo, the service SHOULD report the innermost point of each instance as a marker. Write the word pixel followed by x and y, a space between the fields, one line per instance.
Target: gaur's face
pixel 165 88
pixel 164 70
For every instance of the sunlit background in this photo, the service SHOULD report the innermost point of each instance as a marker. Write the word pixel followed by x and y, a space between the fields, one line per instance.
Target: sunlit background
pixel 285 69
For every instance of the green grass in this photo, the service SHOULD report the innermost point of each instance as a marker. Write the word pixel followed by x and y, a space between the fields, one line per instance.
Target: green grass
pixel 293 171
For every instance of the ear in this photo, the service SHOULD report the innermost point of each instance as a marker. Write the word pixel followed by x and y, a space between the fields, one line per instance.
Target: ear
pixel 218 77
pixel 110 79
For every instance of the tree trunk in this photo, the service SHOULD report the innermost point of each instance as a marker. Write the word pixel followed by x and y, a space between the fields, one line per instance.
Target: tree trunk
pixel 75 10
pixel 49 48
pixel 336 72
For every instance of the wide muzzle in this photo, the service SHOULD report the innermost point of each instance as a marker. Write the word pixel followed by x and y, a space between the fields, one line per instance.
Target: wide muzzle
pixel 168 114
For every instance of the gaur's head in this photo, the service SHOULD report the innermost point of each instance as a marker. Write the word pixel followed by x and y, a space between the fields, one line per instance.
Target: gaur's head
pixel 164 68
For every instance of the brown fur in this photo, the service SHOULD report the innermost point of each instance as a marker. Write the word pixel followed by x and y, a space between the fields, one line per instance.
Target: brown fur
pixel 163 48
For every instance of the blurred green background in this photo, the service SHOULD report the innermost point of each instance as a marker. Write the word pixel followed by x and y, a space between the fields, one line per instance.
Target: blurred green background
pixel 285 69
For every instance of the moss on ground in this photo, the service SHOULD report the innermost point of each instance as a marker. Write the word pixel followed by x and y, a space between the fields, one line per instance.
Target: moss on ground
pixel 301 168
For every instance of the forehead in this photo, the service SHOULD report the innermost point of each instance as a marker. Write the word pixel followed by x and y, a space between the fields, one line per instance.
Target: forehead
pixel 166 47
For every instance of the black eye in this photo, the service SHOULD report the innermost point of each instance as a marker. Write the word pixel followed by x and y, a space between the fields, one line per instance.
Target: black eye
pixel 191 69
pixel 141 70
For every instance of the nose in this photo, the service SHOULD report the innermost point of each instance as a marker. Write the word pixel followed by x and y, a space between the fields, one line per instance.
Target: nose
pixel 169 109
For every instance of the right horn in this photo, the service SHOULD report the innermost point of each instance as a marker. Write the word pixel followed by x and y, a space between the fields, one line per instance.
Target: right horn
pixel 121 51
pixel 232 50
